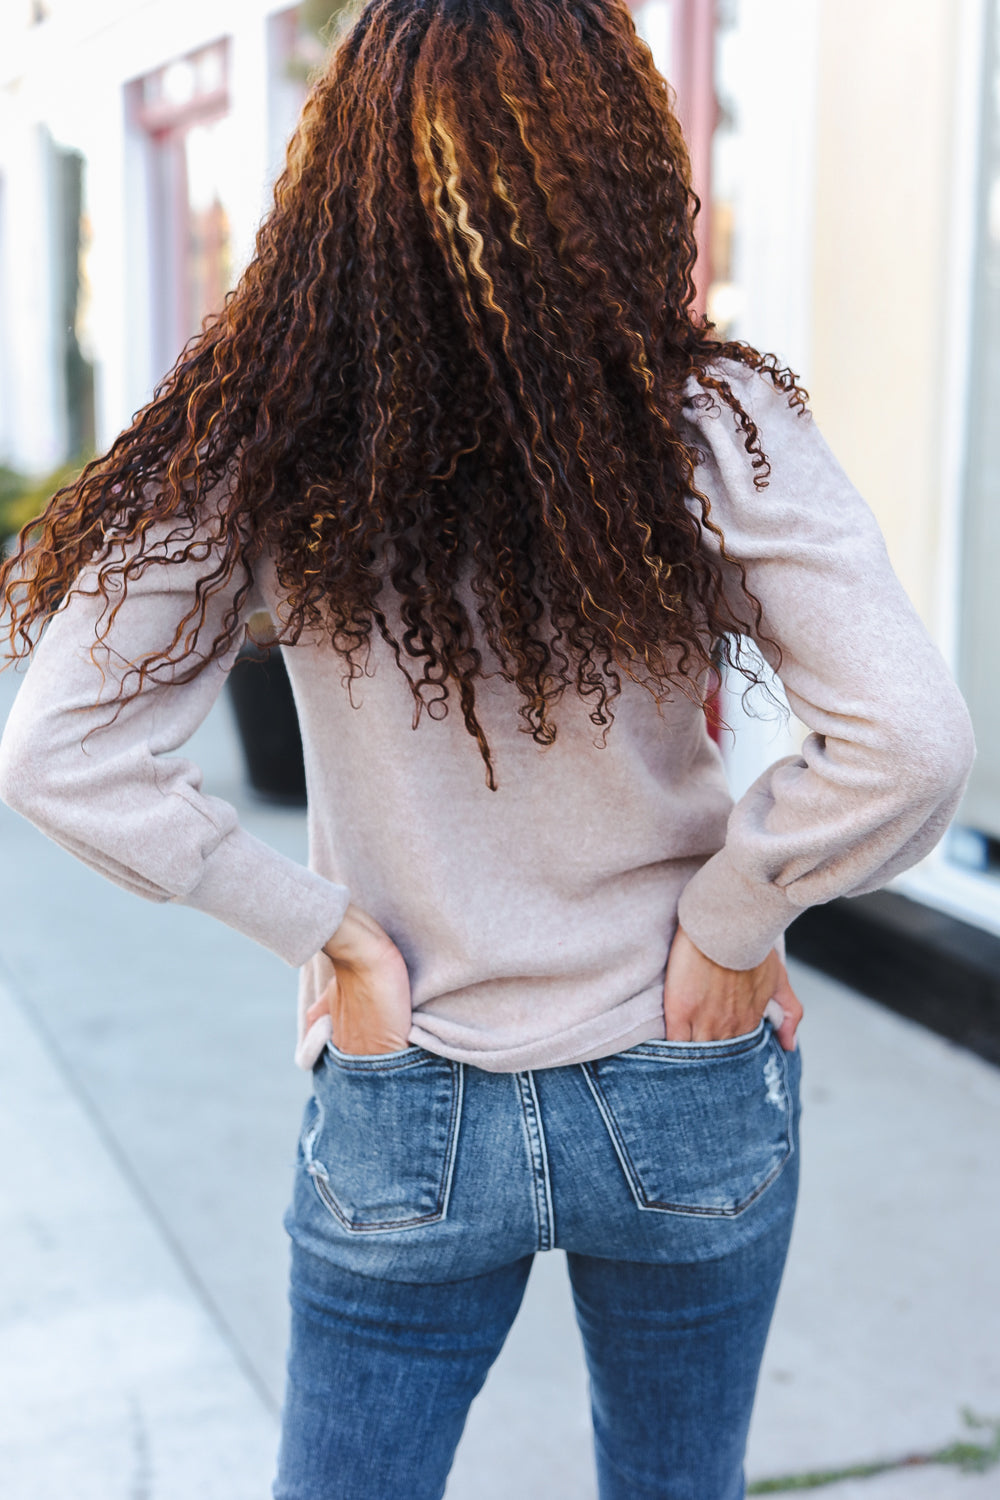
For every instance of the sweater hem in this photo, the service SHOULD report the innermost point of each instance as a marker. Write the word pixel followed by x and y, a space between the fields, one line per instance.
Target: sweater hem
pixel 638 1019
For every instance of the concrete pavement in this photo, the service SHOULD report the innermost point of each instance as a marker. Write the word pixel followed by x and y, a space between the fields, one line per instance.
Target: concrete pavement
pixel 142 1311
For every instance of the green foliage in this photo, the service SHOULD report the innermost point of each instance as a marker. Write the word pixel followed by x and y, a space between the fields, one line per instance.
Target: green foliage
pixel 968 1456
pixel 22 498
pixel 321 16
pixel 815 1479
pixel 974 1458
pixel 319 26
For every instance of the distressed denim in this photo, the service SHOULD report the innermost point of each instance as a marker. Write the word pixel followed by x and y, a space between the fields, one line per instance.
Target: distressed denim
pixel 423 1188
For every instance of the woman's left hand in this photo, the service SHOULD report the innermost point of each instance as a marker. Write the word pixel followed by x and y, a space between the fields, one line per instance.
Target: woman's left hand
pixel 368 997
pixel 703 1002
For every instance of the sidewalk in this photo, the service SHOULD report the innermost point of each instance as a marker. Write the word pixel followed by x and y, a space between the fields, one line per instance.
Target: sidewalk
pixel 142 1307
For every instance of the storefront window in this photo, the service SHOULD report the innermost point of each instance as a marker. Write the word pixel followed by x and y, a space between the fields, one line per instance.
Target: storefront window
pixel 72 287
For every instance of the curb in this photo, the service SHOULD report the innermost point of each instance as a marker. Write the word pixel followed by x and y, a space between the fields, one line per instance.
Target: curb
pixel 911 958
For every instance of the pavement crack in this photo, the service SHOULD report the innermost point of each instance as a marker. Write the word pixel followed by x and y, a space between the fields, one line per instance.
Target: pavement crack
pixel 141 1482
pixel 815 1479
pixel 964 1454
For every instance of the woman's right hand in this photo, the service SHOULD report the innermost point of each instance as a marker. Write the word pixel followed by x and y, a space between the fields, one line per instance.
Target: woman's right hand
pixel 368 995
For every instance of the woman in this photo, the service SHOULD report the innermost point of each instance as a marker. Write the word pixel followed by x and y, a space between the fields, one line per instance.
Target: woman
pixel 507 500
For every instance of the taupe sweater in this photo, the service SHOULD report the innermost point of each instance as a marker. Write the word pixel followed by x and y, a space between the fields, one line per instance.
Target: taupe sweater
pixel 535 920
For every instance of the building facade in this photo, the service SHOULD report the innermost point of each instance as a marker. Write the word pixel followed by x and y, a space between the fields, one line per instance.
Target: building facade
pixel 848 159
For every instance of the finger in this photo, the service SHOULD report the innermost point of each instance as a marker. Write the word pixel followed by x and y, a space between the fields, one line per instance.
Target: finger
pixel 319 1008
pixel 774 1013
pixel 792 1012
pixel 682 1020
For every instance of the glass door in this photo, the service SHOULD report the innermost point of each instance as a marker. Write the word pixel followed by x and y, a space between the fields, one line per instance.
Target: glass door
pixel 980 617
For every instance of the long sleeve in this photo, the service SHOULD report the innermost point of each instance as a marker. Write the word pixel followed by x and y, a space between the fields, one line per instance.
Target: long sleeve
pixel 109 789
pixel 890 746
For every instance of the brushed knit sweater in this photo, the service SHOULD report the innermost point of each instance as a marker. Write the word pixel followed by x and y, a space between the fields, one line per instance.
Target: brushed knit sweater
pixel 535 920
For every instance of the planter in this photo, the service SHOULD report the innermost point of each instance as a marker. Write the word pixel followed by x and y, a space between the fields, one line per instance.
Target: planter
pixel 268 725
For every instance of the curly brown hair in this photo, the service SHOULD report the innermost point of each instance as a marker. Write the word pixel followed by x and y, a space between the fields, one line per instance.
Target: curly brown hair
pixel 458 357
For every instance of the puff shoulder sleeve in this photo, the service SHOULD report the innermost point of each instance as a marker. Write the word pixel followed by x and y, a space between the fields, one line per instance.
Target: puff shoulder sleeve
pixel 890 744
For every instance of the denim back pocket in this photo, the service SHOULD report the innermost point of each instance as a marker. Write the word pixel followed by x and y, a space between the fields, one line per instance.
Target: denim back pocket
pixel 380 1136
pixel 699 1127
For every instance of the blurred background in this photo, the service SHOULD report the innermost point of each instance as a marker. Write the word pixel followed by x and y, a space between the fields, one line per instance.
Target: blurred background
pixel 848 159
pixel 847 155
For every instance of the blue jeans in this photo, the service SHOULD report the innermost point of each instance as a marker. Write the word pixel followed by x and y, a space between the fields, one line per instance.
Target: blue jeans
pixel 668 1173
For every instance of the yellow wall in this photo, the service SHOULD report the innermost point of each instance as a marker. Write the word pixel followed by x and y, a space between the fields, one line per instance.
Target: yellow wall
pixel 886 108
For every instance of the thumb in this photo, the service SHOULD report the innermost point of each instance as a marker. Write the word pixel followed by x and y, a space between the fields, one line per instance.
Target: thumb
pixel 788 1002
pixel 324 1005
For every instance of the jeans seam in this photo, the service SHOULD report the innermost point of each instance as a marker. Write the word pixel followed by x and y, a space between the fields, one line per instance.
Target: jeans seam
pixel 538 1157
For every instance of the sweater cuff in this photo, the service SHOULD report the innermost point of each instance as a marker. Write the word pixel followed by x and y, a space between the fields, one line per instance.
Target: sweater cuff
pixel 268 897
pixel 735 921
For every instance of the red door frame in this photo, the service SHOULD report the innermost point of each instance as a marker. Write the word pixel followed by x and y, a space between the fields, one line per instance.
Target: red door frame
pixel 694 48
pixel 693 81
pixel 164 124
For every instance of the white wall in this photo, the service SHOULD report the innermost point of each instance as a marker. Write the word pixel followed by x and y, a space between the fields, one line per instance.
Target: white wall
pixel 770 67
pixel 888 80
pixel 769 56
